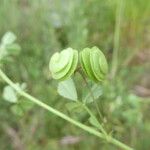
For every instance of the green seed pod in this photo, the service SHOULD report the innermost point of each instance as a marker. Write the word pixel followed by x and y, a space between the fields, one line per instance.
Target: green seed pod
pixel 62 65
pixel 94 63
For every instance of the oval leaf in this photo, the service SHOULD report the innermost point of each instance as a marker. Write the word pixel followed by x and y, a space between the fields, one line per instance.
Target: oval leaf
pixel 67 89
pixel 9 94
pixel 97 92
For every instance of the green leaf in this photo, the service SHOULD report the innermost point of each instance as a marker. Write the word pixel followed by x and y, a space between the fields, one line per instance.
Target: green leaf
pixel 17 110
pixel 93 121
pixel 8 38
pixel 74 106
pixel 3 52
pixel 13 49
pixel 22 86
pixel 8 47
pixel 9 94
pixel 96 91
pixel 21 107
pixel 25 104
pixel 67 89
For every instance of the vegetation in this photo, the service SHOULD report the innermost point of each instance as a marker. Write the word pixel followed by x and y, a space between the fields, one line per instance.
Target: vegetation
pixel 115 110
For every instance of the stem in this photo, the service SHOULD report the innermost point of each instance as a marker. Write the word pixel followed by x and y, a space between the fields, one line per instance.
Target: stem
pixel 119 13
pixel 92 115
pixel 61 115
pixel 92 95
pixel 96 105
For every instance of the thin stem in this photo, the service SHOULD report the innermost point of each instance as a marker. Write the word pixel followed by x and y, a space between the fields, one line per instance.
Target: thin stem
pixel 96 105
pixel 61 115
pixel 92 95
pixel 92 115
pixel 119 13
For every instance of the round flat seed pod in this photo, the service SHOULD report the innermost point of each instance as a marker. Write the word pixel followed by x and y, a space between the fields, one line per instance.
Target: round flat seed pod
pixel 94 64
pixel 62 65
pixel 94 59
pixel 73 66
pixel 60 60
pixel 103 63
pixel 86 65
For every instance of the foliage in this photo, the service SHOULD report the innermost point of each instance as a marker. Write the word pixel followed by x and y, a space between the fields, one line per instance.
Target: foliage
pixel 44 27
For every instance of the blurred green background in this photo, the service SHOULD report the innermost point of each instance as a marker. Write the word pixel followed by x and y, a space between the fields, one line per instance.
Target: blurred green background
pixel 46 26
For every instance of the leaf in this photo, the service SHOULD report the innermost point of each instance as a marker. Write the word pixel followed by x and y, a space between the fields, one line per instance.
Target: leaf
pixel 9 94
pixel 17 110
pixel 96 91
pixel 74 106
pixel 22 86
pixel 67 89
pixel 22 107
pixel 3 52
pixel 8 38
pixel 13 49
pixel 25 104
pixel 8 47
pixel 94 122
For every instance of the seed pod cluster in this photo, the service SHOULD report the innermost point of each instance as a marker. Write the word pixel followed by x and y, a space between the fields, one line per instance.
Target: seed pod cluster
pixel 93 62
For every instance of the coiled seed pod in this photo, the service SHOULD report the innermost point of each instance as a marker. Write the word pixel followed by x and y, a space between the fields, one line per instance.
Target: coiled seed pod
pixel 94 64
pixel 62 65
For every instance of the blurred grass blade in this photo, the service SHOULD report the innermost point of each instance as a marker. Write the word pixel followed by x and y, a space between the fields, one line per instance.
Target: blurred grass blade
pixel 119 14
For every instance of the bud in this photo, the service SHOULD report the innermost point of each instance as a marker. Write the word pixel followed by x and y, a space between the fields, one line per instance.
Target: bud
pixel 62 65
pixel 94 63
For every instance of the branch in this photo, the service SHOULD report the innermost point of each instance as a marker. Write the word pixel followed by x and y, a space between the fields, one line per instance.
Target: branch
pixel 63 116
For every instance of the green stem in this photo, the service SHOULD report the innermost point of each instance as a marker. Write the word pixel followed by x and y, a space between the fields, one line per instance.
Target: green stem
pixel 119 13
pixel 100 127
pixel 92 95
pixel 61 115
